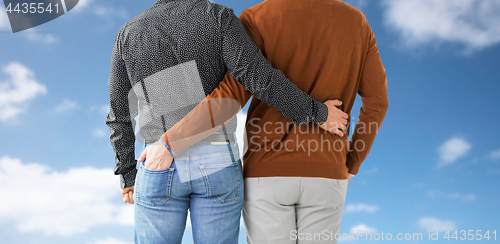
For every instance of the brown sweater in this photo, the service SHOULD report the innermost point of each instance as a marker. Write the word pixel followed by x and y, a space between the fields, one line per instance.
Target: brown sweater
pixel 327 49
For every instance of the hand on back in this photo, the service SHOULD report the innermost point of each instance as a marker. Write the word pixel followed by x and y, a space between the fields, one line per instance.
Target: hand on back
pixel 337 119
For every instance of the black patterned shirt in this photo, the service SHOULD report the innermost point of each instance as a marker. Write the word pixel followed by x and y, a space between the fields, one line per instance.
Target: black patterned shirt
pixel 168 58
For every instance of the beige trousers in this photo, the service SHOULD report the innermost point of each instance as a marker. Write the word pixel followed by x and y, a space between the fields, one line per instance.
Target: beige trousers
pixel 293 210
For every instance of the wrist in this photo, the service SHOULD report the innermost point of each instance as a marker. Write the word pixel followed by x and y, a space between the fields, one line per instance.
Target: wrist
pixel 128 179
pixel 321 113
pixel 167 147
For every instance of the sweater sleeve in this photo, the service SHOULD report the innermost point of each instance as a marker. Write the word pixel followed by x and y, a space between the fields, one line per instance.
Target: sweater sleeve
pixel 208 116
pixel 375 102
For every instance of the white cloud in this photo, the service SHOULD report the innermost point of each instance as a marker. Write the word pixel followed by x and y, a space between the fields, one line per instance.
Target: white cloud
pixel 463 197
pixel 472 23
pixel 495 155
pixel 418 184
pixel 82 4
pixel 433 224
pixel 107 12
pixel 371 171
pixel 455 195
pixel 4 20
pixel 452 150
pixel 360 207
pixel 363 228
pixel 103 109
pixel 60 202
pixel 100 10
pixel 109 241
pixel 40 37
pixel 66 105
pixel 16 92
pixel 100 133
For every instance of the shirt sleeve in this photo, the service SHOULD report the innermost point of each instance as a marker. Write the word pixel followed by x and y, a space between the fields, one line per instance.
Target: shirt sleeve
pixel 375 102
pixel 120 119
pixel 246 63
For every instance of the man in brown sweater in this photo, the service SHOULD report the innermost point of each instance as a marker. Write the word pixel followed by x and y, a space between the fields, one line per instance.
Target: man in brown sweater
pixel 296 176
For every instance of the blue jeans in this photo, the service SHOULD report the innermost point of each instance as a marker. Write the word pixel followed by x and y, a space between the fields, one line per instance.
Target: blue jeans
pixel 206 179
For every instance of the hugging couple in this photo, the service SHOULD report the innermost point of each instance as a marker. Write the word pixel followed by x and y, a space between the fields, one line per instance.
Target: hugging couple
pixel 187 67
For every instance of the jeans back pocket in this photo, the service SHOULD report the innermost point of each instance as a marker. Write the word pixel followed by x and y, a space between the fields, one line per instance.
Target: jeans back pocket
pixel 153 187
pixel 223 181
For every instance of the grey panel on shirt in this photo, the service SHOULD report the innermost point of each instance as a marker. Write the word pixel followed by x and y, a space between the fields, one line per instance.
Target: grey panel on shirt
pixel 166 97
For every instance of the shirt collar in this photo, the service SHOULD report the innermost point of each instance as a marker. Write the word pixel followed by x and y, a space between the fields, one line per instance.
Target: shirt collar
pixel 165 1
pixel 158 2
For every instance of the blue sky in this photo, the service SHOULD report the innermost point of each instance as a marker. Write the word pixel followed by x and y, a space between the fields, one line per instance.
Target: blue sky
pixel 434 165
